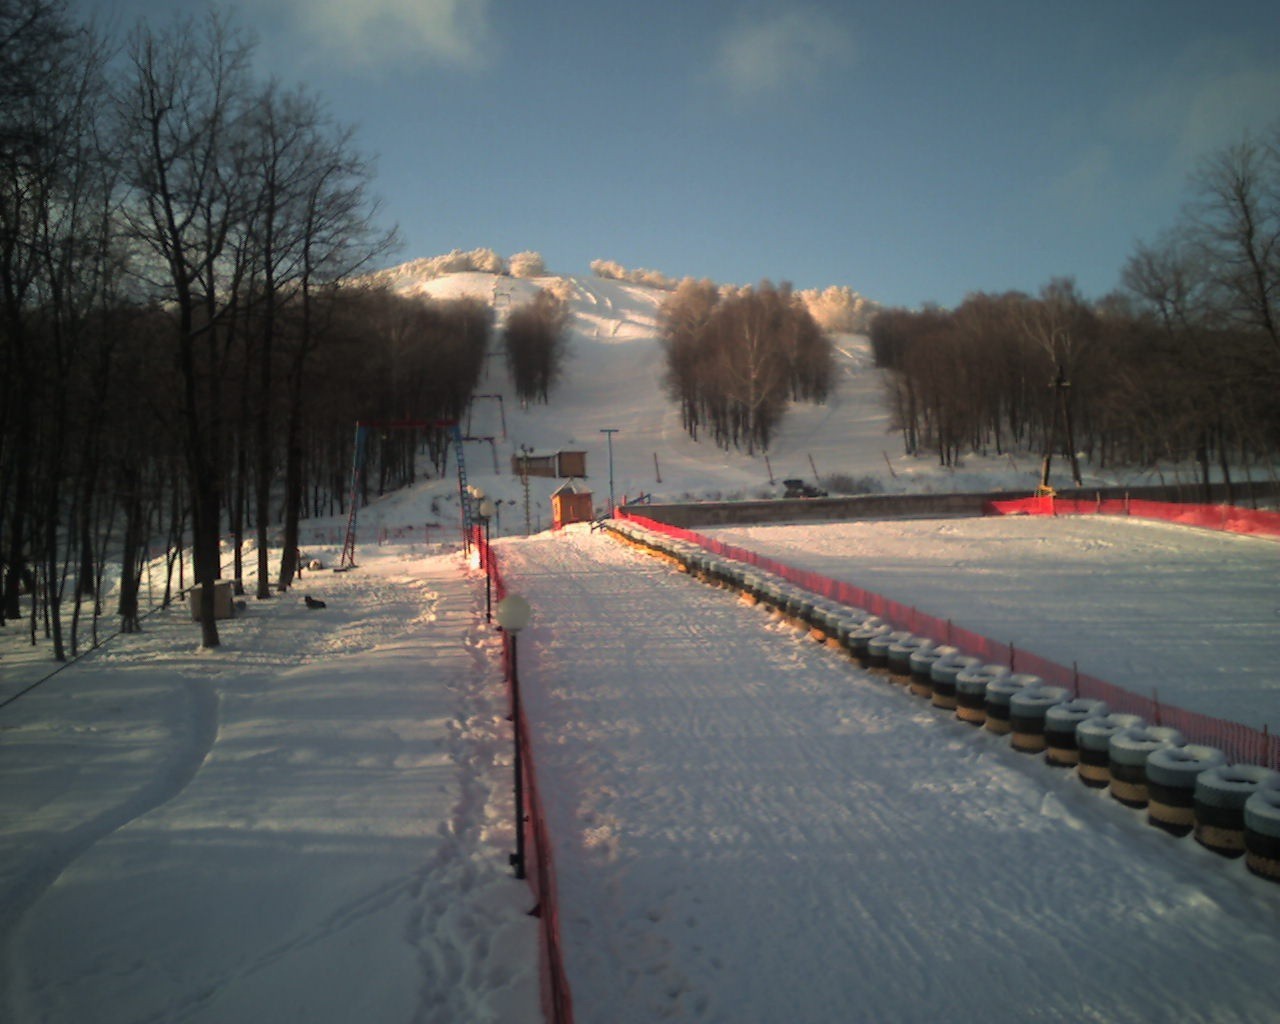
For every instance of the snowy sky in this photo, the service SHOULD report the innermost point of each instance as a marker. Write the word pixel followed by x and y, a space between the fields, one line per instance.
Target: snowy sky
pixel 913 151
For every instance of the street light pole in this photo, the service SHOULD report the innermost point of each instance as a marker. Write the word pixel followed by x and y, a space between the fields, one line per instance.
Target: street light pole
pixel 609 432
pixel 486 513
pixel 513 616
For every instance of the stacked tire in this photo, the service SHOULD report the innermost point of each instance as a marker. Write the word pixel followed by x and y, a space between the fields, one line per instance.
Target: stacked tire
pixel 1093 740
pixel 971 691
pixel 1218 804
pixel 878 648
pixel 921 665
pixel 943 675
pixel 999 698
pixel 1171 784
pixel 1060 722
pixel 901 653
pixel 1027 711
pixel 1262 833
pixel 1128 751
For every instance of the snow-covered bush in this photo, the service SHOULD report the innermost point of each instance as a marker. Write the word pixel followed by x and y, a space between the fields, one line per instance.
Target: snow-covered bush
pixel 839 308
pixel 561 287
pixel 609 269
pixel 617 272
pixel 487 261
pixel 527 264
pixel 458 261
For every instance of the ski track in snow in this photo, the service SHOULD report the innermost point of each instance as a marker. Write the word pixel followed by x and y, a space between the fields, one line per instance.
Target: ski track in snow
pixel 279 820
pixel 750 828
pixel 192 725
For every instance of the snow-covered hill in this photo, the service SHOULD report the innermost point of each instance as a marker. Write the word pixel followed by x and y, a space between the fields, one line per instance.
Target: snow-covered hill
pixel 614 380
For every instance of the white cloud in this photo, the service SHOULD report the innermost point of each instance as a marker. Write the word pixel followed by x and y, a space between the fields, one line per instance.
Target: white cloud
pixel 373 33
pixel 780 52
pixel 1078 184
pixel 1201 104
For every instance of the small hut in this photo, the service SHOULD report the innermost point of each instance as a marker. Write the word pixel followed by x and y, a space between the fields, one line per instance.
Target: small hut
pixel 571 503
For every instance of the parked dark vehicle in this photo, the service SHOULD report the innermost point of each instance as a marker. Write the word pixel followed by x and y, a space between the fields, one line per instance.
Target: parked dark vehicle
pixel 800 489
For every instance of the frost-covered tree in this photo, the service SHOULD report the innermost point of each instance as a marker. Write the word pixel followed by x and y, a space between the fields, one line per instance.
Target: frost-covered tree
pixel 838 309
pixel 527 264
pixel 612 271
pixel 735 357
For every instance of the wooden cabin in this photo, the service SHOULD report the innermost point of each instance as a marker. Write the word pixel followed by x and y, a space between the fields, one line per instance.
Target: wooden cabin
pixel 571 503
pixel 556 465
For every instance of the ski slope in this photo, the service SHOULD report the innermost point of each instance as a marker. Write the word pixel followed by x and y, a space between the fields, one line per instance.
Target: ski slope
pixel 748 827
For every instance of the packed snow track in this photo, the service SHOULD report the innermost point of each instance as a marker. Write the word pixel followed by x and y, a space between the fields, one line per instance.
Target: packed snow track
pixel 749 828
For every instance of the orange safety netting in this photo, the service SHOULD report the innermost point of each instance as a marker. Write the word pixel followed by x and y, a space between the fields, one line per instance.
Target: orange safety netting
pixel 1229 518
pixel 1241 743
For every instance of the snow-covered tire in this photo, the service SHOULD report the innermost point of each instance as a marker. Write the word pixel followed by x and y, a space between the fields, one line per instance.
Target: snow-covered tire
pixel 878 649
pixel 860 639
pixel 1027 709
pixel 1128 751
pixel 847 621
pixel 1262 834
pixel 943 674
pixel 1060 723
pixel 826 622
pixel 1093 741
pixel 971 691
pixel 921 665
pixel 1171 784
pixel 900 655
pixel 1219 799
pixel 798 608
pixel 998 696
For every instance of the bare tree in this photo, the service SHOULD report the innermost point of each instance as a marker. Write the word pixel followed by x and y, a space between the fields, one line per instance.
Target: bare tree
pixel 1236 222
pixel 536 345
pixel 735 359
pixel 55 211
pixel 180 111
pixel 1062 326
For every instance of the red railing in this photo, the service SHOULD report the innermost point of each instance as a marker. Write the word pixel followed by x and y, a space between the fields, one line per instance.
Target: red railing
pixel 1228 518
pixel 557 1001
pixel 1241 743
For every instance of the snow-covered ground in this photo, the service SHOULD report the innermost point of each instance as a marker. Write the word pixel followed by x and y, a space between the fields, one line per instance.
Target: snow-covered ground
pixel 309 824
pixel 313 821
pixel 1190 615
pixel 749 828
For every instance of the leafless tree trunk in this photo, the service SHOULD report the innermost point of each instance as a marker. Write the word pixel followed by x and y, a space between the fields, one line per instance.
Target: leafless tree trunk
pixel 180 115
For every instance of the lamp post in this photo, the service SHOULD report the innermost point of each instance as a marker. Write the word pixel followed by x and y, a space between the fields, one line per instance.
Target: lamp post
pixel 486 512
pixel 609 432
pixel 476 495
pixel 513 616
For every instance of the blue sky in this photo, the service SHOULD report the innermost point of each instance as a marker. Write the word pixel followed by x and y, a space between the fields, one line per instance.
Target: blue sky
pixel 913 151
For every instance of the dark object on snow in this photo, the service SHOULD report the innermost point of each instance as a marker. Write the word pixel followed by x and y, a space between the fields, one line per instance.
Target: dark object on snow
pixel 313 603
pixel 799 489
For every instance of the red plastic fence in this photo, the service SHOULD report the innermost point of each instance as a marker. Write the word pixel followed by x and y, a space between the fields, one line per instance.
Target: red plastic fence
pixel 557 1001
pixel 1228 518
pixel 1241 743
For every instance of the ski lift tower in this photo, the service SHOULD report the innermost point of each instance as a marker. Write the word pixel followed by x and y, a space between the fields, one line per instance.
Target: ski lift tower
pixel 348 560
